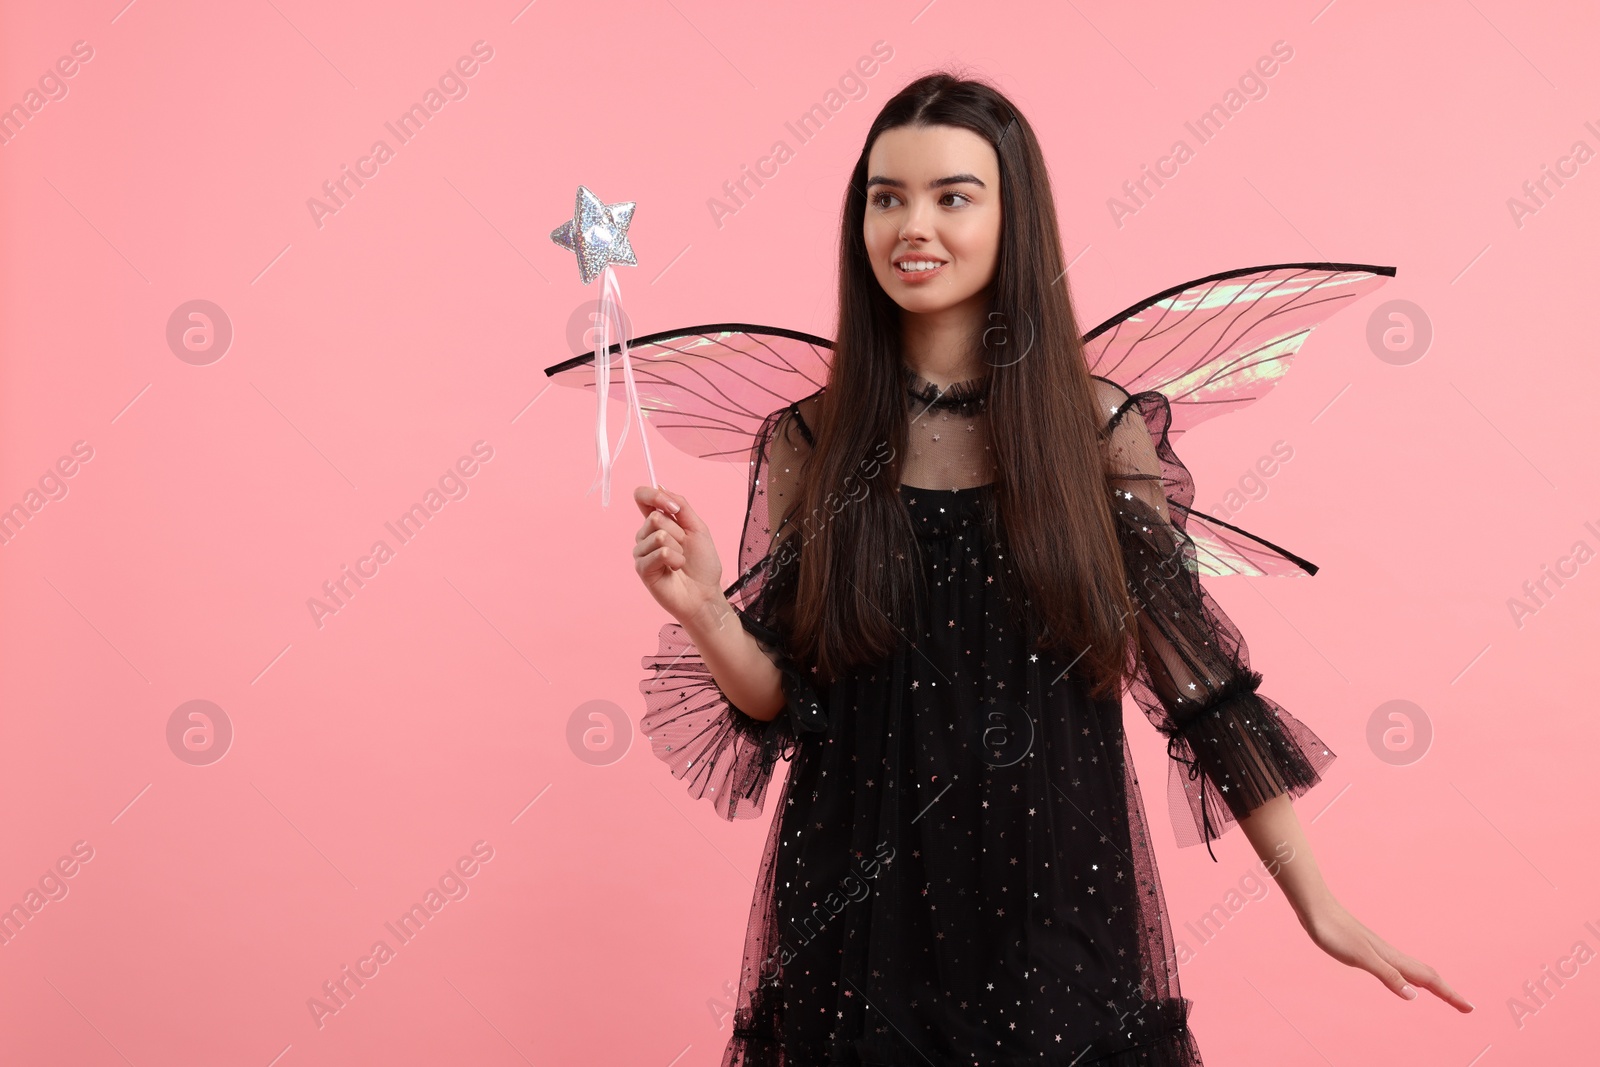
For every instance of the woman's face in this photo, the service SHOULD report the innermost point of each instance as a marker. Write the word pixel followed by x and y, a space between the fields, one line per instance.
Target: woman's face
pixel 933 196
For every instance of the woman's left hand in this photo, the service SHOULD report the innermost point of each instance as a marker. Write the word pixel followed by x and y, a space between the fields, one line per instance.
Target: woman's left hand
pixel 1344 937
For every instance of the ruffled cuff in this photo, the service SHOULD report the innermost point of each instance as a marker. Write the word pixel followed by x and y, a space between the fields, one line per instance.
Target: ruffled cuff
pixel 727 755
pixel 1240 749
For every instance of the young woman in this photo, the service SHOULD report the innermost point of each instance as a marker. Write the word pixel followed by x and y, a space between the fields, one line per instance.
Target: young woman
pixel 941 548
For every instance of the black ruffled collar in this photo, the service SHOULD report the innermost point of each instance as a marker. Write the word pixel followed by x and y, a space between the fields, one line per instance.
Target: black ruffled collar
pixel 969 393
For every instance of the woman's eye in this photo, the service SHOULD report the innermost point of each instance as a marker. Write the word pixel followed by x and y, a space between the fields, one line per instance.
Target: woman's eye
pixel 878 199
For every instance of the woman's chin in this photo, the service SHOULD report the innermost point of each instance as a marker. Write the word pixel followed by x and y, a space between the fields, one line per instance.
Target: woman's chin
pixel 930 302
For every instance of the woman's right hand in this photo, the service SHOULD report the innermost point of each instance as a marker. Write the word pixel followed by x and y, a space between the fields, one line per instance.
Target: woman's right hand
pixel 674 555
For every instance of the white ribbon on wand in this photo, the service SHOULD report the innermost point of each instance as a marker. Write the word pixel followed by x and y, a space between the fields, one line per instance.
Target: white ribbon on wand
pixel 611 312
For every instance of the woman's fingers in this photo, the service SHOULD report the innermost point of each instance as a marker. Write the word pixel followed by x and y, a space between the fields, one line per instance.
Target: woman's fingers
pixel 1420 974
pixel 654 542
pixel 659 520
pixel 1392 963
pixel 1436 985
pixel 669 556
pixel 683 513
pixel 1387 973
pixel 648 498
pixel 652 497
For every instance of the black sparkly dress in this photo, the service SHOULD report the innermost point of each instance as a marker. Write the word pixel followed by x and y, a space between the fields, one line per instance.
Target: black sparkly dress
pixel 959 870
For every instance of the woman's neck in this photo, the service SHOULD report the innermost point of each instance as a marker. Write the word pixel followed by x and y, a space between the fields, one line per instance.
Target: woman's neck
pixel 942 346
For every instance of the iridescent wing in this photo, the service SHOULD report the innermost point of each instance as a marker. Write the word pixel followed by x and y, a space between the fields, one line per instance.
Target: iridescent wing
pixel 1209 346
pixel 1218 343
pixel 1215 345
pixel 707 388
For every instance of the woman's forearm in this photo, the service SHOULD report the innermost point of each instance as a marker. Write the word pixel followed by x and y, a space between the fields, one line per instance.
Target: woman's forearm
pixel 1278 838
pixel 745 674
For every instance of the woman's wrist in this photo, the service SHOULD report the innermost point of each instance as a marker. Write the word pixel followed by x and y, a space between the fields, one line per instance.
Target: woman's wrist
pixel 712 613
pixel 1312 903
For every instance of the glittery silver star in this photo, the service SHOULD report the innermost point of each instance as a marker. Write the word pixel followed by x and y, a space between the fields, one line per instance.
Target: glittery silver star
pixel 597 233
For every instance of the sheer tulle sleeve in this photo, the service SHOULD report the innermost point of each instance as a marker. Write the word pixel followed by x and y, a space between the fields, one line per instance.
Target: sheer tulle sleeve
pixel 726 755
pixel 1231 748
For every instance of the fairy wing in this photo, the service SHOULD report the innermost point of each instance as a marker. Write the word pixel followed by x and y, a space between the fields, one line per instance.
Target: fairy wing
pixel 1207 347
pixel 1213 346
pixel 707 388
pixel 1218 343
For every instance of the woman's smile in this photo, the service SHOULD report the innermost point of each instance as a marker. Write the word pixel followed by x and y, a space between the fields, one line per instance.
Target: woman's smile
pixel 918 271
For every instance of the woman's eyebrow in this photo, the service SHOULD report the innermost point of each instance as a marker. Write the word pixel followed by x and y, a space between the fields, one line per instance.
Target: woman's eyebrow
pixel 954 179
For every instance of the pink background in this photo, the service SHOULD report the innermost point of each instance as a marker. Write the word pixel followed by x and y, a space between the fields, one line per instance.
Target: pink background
pixel 432 712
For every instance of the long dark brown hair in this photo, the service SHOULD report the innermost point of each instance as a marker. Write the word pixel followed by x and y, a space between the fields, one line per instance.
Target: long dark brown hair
pixel 855 580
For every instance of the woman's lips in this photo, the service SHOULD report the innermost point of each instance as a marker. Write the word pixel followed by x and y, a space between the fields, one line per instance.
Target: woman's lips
pixel 919 276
